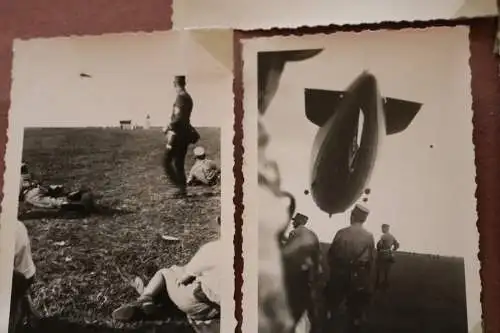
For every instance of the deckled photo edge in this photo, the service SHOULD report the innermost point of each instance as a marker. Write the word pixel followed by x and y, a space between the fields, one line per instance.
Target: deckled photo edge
pixel 13 162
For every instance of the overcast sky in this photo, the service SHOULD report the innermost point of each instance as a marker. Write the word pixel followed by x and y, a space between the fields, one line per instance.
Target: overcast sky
pixel 132 76
pixel 426 194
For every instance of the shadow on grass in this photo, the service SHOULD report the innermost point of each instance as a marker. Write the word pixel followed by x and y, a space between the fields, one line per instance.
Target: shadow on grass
pixel 57 324
pixel 196 195
pixel 69 214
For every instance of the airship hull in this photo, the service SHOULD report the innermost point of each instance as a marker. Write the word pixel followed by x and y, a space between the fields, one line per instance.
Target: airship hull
pixel 340 170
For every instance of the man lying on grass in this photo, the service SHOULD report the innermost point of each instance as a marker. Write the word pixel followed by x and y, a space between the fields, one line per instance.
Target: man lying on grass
pixel 52 196
pixel 192 289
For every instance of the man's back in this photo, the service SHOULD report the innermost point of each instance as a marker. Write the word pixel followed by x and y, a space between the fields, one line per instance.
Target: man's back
pixel 183 106
pixel 351 243
pixel 387 242
pixel 206 266
pixel 204 171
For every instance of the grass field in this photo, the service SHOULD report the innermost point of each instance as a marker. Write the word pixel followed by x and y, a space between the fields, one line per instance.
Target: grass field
pixel 84 265
pixel 426 294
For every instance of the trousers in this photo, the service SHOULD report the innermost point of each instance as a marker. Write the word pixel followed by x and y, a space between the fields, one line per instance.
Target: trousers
pixel 174 160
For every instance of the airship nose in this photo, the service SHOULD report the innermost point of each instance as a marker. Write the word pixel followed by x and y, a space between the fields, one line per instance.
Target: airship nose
pixel 343 157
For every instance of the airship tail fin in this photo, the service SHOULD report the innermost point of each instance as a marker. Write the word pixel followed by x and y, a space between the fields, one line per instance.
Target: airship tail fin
pixel 322 104
pixel 399 114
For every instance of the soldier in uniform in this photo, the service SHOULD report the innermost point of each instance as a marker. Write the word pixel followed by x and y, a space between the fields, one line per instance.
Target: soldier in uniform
pixel 385 256
pixel 301 257
pixel 179 135
pixel 351 257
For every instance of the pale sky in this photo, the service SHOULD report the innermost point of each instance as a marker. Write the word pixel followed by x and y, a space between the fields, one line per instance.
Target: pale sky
pixel 132 76
pixel 426 195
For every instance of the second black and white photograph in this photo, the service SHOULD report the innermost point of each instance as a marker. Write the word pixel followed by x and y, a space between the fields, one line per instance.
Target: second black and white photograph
pixel 359 147
pixel 123 218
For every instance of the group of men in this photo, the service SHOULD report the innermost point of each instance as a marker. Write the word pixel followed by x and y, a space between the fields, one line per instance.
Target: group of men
pixel 192 290
pixel 352 258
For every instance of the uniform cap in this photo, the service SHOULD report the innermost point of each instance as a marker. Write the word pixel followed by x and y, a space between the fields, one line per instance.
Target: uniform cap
pixel 181 79
pixel 361 212
pixel 300 218
pixel 199 151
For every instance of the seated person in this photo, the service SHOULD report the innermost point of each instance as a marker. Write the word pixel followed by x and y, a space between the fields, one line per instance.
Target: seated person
pixel 24 274
pixel 204 171
pixel 52 196
pixel 192 290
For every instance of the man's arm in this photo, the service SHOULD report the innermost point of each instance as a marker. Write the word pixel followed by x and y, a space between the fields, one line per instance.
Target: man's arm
pixel 23 261
pixel 176 116
pixel 177 111
pixel 191 177
pixel 372 249
pixel 395 244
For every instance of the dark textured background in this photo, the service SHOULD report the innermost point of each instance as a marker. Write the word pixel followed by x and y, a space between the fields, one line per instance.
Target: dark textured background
pixel 28 19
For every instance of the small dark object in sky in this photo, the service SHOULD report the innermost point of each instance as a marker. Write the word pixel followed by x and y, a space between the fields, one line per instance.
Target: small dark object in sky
pixel 367 191
pixel 306 192
pixel 432 146
pixel 85 75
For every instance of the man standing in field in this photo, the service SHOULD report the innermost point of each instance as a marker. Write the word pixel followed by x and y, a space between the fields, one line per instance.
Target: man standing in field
pixel 204 171
pixel 351 257
pixel 179 135
pixel 385 256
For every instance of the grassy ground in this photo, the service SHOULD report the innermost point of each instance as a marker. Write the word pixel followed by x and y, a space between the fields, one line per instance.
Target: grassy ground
pixel 426 294
pixel 84 265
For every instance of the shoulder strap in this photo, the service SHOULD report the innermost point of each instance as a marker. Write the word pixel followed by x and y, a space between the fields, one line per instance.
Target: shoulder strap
pixel 360 254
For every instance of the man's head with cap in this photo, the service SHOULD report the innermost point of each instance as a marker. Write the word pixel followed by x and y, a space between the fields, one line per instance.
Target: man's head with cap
pixel 385 228
pixel 299 219
pixel 199 152
pixel 359 214
pixel 179 81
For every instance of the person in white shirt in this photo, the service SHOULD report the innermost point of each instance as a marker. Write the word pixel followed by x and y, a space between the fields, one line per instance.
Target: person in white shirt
pixel 24 274
pixel 23 261
pixel 193 289
pixel 204 171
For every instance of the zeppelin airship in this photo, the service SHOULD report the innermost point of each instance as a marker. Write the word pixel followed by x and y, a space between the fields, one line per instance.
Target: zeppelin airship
pixel 345 150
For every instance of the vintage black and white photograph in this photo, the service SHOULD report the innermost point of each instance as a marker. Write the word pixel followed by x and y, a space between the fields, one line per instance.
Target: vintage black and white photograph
pixel 363 183
pixel 123 218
